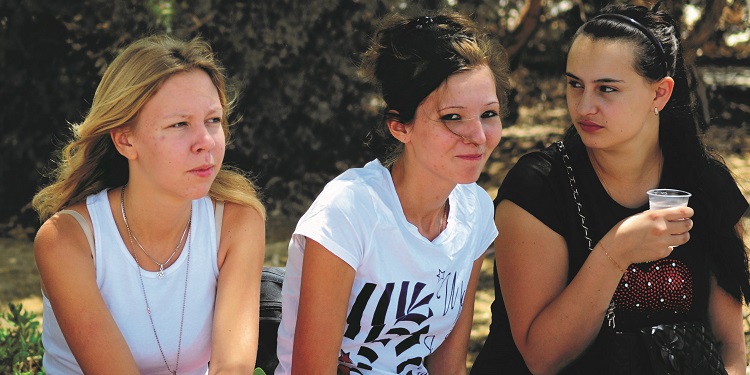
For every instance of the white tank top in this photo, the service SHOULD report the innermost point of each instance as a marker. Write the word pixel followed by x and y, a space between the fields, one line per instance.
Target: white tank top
pixel 120 286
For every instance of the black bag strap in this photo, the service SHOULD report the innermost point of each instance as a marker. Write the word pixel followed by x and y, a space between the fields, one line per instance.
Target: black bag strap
pixel 610 316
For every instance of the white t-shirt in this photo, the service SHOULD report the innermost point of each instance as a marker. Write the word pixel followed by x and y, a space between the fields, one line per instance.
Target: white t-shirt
pixel 408 292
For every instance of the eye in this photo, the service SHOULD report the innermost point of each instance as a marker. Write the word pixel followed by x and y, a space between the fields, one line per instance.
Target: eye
pixel 450 117
pixel 607 89
pixel 215 120
pixel 575 84
pixel 180 124
pixel 489 114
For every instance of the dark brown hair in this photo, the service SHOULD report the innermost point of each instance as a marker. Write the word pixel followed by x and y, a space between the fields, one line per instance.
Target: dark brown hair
pixel 411 56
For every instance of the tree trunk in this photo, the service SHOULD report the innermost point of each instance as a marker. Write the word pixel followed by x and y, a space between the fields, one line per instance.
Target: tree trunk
pixel 527 26
pixel 702 31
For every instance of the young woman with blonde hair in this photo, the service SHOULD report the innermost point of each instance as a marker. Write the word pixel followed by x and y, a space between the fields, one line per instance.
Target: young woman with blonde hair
pixel 138 273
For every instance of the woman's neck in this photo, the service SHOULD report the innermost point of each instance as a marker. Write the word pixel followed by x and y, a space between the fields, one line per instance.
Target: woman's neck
pixel 157 222
pixel 627 175
pixel 425 204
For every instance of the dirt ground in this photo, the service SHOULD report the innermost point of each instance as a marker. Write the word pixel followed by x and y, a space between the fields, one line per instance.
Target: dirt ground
pixel 19 280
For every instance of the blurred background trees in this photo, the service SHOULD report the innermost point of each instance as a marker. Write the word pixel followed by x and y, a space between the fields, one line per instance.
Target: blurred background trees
pixel 303 111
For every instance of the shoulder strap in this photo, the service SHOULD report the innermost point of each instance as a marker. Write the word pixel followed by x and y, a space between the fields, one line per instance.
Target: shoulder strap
pixel 574 189
pixel 85 225
pixel 610 315
pixel 219 213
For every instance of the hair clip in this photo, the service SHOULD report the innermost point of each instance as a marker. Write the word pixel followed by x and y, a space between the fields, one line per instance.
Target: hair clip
pixel 423 21
pixel 657 44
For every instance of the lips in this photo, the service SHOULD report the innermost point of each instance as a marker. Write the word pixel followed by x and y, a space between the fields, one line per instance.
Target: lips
pixel 589 126
pixel 203 170
pixel 470 157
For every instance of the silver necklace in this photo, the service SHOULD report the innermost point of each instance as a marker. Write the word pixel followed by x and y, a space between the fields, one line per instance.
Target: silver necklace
pixel 143 287
pixel 130 233
pixel 444 219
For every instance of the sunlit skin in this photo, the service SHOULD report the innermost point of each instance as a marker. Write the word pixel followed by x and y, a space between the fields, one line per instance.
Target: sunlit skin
pixel 177 139
pixel 467 103
pixel 610 104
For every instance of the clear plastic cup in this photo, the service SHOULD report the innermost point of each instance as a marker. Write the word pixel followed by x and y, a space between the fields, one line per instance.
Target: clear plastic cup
pixel 666 198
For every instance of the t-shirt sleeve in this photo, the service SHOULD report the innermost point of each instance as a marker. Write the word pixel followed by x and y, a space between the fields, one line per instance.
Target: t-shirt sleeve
pixel 733 204
pixel 530 185
pixel 338 221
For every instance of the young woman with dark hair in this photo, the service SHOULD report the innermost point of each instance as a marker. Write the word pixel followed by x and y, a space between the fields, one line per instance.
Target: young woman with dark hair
pixel 567 304
pixel 383 267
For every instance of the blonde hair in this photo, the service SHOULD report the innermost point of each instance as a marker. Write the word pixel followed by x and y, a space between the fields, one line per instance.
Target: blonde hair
pixel 90 162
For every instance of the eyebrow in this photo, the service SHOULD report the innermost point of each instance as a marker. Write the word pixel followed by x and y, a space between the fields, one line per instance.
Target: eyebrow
pixel 600 80
pixel 461 107
pixel 183 115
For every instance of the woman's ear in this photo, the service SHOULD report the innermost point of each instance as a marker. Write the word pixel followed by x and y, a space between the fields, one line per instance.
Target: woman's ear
pixel 398 129
pixel 663 89
pixel 121 137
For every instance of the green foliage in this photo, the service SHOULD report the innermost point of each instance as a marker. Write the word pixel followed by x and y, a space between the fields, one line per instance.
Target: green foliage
pixel 20 342
pixel 52 55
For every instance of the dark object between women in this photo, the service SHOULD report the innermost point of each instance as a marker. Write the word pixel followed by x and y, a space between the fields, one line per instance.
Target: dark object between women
pixel 645 31
pixel 271 282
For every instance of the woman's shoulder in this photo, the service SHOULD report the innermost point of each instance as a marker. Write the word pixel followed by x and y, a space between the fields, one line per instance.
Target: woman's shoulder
pixel 236 214
pixel 357 185
pixel 718 172
pixel 62 233
pixel 535 166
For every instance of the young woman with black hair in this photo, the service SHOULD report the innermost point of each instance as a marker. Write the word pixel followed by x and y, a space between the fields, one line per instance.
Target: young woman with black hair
pixel 568 305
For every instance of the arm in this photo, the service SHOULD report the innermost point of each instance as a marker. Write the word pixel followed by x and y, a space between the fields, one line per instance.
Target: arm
pixel 551 322
pixel 68 276
pixel 725 318
pixel 235 327
pixel 450 356
pixel 324 295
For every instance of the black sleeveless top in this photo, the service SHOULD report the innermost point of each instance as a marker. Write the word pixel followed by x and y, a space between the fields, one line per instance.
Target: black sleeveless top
pixel 672 289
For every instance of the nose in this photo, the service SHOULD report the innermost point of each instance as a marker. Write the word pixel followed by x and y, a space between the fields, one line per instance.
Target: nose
pixel 586 104
pixel 204 138
pixel 475 132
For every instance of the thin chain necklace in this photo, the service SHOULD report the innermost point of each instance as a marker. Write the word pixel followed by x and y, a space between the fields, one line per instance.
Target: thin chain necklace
pixel 143 287
pixel 444 219
pixel 160 264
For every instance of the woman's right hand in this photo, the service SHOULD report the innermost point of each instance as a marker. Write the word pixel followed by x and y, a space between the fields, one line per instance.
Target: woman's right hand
pixel 648 236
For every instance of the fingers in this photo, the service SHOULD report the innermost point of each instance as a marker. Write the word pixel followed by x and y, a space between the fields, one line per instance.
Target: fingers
pixel 679 226
pixel 677 213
